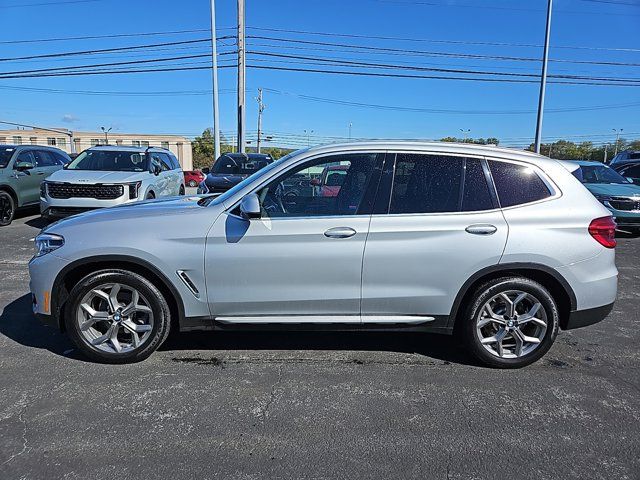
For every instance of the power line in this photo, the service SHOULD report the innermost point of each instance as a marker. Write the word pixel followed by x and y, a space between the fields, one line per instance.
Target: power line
pixel 426 40
pixel 49 3
pixel 439 54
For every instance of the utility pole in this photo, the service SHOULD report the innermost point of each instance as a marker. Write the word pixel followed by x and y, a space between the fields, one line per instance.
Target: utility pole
pixel 350 125
pixel 241 77
pixel 618 132
pixel 550 149
pixel 543 79
pixel 605 153
pixel 214 77
pixel 106 134
pixel 260 110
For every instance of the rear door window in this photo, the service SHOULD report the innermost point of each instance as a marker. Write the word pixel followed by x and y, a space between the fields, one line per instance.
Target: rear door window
pixel 426 184
pixel 517 184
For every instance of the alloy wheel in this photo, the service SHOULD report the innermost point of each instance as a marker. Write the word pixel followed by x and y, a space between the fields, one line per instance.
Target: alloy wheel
pixel 511 324
pixel 114 318
pixel 6 209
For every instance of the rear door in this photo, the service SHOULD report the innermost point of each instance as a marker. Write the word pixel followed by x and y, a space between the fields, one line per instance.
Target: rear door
pixel 436 222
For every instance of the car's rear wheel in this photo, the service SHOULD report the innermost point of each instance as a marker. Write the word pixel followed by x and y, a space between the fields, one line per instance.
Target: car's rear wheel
pixel 7 208
pixel 511 322
pixel 117 316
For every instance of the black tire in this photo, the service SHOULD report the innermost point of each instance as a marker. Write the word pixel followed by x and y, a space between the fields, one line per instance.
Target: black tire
pixel 7 208
pixel 150 196
pixel 483 294
pixel 156 302
pixel 181 190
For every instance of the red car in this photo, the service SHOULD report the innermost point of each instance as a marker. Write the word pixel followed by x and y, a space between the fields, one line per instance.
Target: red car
pixel 193 178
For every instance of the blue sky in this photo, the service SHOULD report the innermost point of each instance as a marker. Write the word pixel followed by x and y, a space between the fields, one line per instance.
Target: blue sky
pixel 605 30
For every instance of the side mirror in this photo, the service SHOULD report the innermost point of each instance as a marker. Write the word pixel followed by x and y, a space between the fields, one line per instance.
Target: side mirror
pixel 156 169
pixel 22 166
pixel 632 180
pixel 314 182
pixel 250 206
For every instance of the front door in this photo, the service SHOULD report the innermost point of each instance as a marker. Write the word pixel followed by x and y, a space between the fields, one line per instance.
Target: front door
pixel 302 260
pixel 440 223
pixel 27 181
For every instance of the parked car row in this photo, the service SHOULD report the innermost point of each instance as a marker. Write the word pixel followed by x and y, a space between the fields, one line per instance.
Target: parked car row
pixel 619 194
pixel 503 247
pixel 102 176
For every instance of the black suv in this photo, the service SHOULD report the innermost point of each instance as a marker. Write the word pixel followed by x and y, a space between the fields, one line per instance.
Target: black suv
pixel 626 156
pixel 230 169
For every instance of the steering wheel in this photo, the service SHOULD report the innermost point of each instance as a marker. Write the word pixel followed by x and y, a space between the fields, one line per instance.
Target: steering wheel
pixel 273 201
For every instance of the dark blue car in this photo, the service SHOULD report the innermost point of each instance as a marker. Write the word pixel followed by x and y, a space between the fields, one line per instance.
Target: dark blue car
pixel 230 169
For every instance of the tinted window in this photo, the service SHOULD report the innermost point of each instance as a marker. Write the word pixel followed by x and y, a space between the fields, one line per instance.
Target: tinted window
pixel 476 195
pixel 25 156
pixel 517 184
pixel 60 158
pixel 44 159
pixel 239 165
pixel 426 184
pixel 633 172
pixel 5 156
pixel 301 193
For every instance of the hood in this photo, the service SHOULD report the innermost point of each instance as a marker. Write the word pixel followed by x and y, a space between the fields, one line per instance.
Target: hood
pixel 615 190
pixel 95 176
pixel 223 180
pixel 134 214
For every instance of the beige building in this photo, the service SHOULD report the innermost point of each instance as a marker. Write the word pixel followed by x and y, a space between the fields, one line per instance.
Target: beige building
pixel 63 138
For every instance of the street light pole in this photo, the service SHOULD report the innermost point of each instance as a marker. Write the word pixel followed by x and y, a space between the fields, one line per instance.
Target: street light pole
pixel 214 77
pixel 465 132
pixel 241 77
pixel 618 132
pixel 543 79
pixel 308 132
pixel 106 134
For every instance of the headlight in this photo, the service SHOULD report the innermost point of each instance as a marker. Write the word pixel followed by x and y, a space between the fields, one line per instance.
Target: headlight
pixel 43 190
pixel 47 242
pixel 134 189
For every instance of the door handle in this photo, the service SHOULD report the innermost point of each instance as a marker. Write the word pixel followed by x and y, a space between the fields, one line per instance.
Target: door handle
pixel 481 229
pixel 39 173
pixel 340 232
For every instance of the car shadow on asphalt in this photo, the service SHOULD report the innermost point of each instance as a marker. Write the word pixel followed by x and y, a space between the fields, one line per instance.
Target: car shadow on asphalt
pixel 18 323
pixel 444 348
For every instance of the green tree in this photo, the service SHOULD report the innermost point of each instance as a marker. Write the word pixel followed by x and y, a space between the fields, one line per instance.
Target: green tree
pixel 203 150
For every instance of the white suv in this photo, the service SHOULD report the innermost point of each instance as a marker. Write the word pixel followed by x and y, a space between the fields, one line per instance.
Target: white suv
pixel 504 247
pixel 106 176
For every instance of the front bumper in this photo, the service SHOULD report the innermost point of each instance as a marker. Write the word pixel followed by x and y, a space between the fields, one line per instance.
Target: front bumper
pixel 583 318
pixel 43 272
pixel 57 207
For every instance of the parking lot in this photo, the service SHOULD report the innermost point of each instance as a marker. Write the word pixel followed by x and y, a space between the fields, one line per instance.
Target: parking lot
pixel 315 405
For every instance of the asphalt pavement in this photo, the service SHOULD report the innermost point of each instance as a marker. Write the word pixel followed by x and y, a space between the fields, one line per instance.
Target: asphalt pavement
pixel 315 405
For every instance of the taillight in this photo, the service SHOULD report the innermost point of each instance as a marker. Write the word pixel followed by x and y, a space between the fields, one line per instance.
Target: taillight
pixel 603 229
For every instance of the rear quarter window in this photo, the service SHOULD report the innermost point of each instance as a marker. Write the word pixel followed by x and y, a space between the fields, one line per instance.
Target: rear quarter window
pixel 517 184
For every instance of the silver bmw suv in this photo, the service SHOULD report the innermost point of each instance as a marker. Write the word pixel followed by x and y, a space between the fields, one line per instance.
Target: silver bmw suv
pixel 502 247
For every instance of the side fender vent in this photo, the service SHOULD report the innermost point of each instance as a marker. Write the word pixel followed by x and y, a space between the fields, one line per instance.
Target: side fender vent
pixel 188 282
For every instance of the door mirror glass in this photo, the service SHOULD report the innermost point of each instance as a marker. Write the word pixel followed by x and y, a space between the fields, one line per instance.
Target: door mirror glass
pixel 22 166
pixel 250 206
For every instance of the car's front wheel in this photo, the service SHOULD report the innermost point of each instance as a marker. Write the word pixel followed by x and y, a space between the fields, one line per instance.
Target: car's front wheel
pixel 510 322
pixel 7 208
pixel 117 316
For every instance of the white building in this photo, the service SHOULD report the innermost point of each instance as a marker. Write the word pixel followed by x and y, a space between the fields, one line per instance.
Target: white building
pixel 62 138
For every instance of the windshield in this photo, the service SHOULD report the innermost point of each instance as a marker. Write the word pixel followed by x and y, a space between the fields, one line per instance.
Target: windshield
pixel 238 165
pixel 253 178
pixel 5 156
pixel 111 161
pixel 599 174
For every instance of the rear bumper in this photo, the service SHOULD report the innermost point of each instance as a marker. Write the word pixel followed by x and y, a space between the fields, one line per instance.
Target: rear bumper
pixel 583 318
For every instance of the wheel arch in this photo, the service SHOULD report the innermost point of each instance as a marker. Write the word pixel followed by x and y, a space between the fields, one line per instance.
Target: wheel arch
pixel 551 279
pixel 75 271
pixel 9 189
